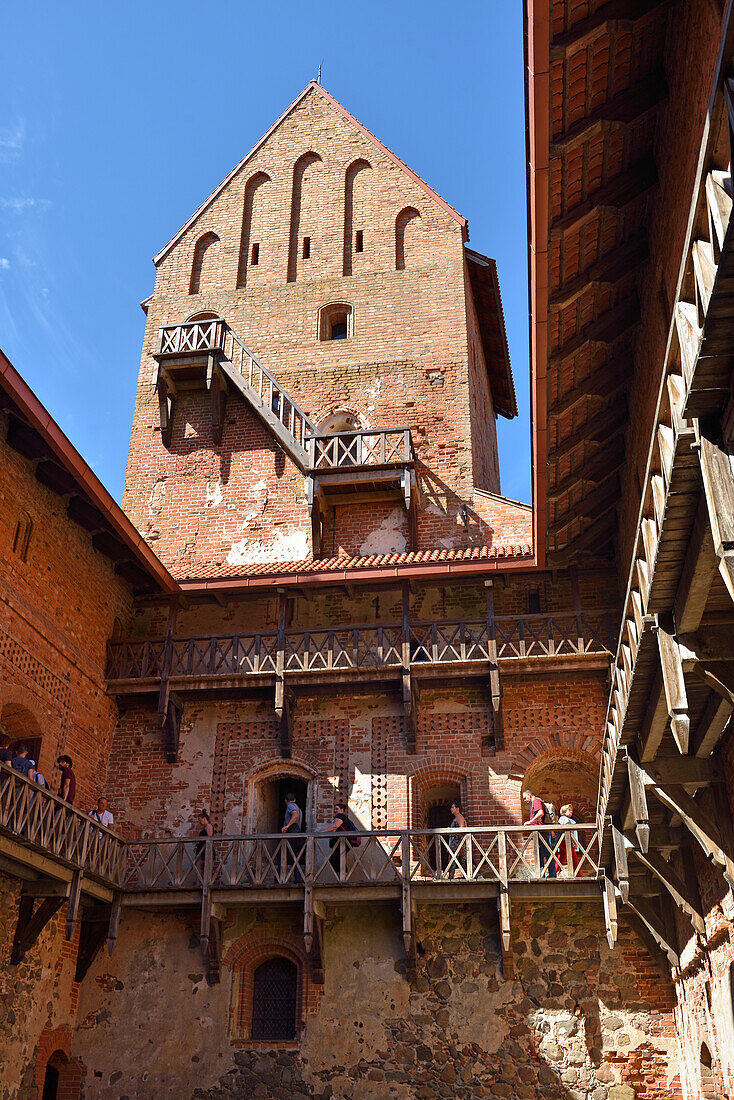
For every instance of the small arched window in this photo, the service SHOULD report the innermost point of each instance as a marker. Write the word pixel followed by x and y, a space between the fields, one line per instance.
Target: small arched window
pixel 336 322
pixel 204 253
pixel 22 535
pixel 406 223
pixel 275 1000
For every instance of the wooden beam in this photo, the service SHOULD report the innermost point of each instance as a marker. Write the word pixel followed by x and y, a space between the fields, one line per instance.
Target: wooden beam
pixel 655 720
pixel 114 925
pixel 592 506
pixel 668 876
pixel 31 922
pixel 638 801
pixel 621 110
pixel 55 478
pixel 495 685
pixel 699 824
pixel 711 724
pixel 621 865
pixel 172 727
pixel 629 185
pixel 72 905
pixel 408 912
pixel 686 771
pixel 283 695
pixel 92 935
pixel 674 685
pixel 216 383
pixel 699 570
pixel 606 382
pixel 166 404
pixel 622 262
pixel 655 926
pixel 718 484
pixel 609 897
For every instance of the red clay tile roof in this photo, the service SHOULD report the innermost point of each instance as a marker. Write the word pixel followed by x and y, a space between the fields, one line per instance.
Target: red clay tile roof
pixel 224 571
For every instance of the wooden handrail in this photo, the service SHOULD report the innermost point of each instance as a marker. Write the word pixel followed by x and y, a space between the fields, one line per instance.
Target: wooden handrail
pixel 430 642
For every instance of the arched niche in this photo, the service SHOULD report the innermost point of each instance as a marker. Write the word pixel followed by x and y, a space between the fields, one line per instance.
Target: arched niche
pixel 407 227
pixel 206 252
pixel 253 253
pixel 357 184
pixel 304 225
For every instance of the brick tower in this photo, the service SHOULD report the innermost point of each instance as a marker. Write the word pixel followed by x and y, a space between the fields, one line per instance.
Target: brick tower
pixel 322 289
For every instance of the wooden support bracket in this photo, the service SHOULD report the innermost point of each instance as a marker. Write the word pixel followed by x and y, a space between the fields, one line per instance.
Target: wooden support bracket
pixel 314 916
pixel 166 405
pixel 495 685
pixel 699 824
pixel 32 921
pixel 718 484
pixel 93 932
pixel 638 800
pixel 621 866
pixel 671 664
pixel 283 694
pixel 216 383
pixel 609 897
pixel 172 726
pixel 668 876
pixel 408 911
pixel 72 906
pixel 114 925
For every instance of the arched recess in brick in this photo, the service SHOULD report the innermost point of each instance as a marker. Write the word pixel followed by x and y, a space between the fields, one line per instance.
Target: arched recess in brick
pixel 407 227
pixel 304 226
pixel 252 254
pixel 265 783
pixel 563 775
pixel 202 267
pixel 245 956
pixel 60 1078
pixel 436 786
pixel 19 724
pixel 357 184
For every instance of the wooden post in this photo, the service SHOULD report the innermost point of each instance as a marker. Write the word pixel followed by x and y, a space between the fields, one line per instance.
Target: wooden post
pixel 408 687
pixel 408 913
pixel 72 905
pixel 621 867
pixel 282 696
pixel 114 924
pixel 638 800
pixel 495 685
pixel 674 684
pixel 610 910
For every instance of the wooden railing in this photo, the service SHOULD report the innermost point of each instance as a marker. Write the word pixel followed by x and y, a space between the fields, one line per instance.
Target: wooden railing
pixel 46 823
pixel 363 646
pixel 196 336
pixel 380 447
pixel 495 854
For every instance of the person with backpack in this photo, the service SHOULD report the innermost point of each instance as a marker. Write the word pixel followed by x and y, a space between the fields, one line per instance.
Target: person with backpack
pixel 543 813
pixel 342 823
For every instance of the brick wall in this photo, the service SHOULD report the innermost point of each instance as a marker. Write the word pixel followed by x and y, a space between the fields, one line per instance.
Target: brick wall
pixel 59 606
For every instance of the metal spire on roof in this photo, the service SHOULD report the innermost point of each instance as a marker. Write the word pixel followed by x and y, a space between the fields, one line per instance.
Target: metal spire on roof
pixel 318 78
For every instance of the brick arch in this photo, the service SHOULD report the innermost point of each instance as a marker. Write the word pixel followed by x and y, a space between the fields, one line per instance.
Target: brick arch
pixel 243 959
pixel 564 774
pixel 54 1047
pixel 442 771
pixel 407 224
pixel 298 765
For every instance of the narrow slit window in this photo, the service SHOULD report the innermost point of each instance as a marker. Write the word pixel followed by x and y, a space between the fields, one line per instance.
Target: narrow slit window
pixel 307 248
pixel 534 602
pixel 359 242
pixel 255 258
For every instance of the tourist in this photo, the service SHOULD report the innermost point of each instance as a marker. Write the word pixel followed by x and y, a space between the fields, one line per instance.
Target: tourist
pixel 342 823
pixel 67 788
pixel 6 756
pixel 22 764
pixel 102 814
pixel 40 777
pixel 542 813
pixel 458 822
pixel 293 823
pixel 567 818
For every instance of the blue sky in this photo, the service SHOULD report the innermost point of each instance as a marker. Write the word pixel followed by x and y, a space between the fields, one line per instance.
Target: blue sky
pixel 116 120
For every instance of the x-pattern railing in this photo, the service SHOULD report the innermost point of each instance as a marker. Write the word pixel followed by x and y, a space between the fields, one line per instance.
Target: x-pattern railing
pixel 40 820
pixel 375 447
pixel 361 646
pixel 195 336
pixel 501 854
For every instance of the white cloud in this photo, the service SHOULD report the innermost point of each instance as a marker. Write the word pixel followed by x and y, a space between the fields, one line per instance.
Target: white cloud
pixel 4 263
pixel 11 142
pixel 20 205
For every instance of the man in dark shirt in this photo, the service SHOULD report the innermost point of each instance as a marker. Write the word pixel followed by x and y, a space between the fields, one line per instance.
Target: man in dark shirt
pixel 22 764
pixel 67 789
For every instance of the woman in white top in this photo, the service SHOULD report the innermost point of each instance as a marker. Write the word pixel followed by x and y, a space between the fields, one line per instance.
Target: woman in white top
pixel 567 819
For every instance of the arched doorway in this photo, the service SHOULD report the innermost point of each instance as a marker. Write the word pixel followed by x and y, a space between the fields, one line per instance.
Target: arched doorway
pixel 564 776
pixel 435 813
pixel 58 1080
pixel 19 726
pixel 266 808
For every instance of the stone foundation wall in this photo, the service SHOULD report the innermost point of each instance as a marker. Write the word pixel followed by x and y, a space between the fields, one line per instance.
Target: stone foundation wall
pixel 576 1020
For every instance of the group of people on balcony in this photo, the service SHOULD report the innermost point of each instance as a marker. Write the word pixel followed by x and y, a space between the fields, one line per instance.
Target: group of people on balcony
pixel 20 761
pixel 445 856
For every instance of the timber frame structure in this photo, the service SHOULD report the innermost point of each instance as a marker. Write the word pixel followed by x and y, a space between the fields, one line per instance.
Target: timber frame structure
pixel 662 786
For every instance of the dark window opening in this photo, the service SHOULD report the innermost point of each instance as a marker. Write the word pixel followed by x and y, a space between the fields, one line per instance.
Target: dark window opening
pixel 275 1000
pixel 338 328
pixel 51 1083
pixel 306 248
pixel 255 258
pixel 534 602
pixel 359 243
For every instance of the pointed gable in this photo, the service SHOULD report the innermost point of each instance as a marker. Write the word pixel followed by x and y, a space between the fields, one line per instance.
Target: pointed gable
pixel 315 89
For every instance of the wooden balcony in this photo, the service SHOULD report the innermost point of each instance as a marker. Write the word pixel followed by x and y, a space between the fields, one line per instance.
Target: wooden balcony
pixel 362 651
pixel 378 449
pixel 195 338
pixel 62 856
